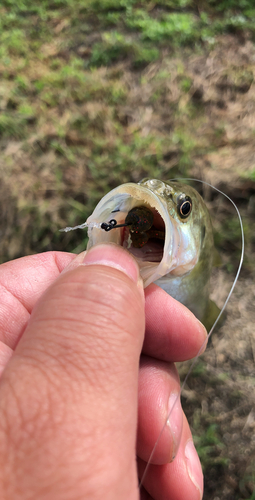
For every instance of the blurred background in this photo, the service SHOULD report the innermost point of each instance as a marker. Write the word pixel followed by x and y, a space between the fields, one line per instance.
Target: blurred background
pixel 96 93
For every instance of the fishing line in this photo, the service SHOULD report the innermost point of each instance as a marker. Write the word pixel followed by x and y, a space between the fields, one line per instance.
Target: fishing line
pixel 85 225
pixel 212 328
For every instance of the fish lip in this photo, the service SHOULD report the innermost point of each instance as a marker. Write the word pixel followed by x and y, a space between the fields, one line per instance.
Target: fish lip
pixel 127 196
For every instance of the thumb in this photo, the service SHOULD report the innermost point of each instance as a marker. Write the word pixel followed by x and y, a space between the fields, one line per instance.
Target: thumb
pixel 69 394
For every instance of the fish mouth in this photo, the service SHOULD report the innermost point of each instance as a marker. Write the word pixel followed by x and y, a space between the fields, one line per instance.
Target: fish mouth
pixel 154 256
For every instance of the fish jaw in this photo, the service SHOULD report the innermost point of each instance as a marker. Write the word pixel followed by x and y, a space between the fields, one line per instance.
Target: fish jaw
pixel 185 253
pixel 115 205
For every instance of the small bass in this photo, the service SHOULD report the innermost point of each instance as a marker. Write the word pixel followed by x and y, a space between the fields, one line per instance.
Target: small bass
pixel 166 226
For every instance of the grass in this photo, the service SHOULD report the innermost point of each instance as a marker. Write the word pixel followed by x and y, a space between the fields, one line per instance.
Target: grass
pixel 116 47
pixel 70 72
pixel 210 447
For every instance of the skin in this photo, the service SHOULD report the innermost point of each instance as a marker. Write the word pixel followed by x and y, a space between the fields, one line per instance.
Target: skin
pixel 71 335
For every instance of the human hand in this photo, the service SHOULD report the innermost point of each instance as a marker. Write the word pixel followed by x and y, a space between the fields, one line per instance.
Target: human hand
pixel 70 378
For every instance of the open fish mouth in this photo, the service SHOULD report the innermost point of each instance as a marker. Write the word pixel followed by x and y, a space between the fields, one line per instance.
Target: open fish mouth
pixel 148 246
pixel 152 248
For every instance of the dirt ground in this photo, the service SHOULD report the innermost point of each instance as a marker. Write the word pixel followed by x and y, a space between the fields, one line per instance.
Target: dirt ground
pixel 227 394
pixel 226 387
pixel 219 397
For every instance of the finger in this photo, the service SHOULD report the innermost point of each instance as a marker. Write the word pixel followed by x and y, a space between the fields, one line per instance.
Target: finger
pixel 182 478
pixel 22 282
pixel 160 414
pixel 173 333
pixel 69 393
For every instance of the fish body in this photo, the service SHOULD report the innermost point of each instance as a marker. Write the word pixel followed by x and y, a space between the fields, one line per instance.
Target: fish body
pixel 176 252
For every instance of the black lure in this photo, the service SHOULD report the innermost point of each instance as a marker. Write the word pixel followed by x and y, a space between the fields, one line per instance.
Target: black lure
pixel 140 222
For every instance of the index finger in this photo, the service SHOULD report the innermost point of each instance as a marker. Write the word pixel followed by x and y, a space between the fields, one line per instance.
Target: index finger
pixel 22 282
pixel 172 333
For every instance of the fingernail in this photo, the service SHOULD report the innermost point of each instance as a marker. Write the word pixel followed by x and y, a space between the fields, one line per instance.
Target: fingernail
pixel 113 256
pixel 194 467
pixel 203 329
pixel 77 261
pixel 175 421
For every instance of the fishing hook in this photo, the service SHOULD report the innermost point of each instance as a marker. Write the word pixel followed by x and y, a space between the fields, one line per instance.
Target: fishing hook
pixel 112 224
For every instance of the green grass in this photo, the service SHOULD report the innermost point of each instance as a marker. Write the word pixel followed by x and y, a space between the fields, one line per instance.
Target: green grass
pixel 116 47
pixel 210 447
pixel 64 93
pixel 71 71
pixel 179 28
pixel 13 125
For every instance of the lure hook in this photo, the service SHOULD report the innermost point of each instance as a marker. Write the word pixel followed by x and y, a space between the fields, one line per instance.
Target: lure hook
pixel 112 224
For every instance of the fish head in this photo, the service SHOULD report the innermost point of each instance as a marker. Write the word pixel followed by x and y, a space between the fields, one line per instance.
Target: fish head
pixel 175 239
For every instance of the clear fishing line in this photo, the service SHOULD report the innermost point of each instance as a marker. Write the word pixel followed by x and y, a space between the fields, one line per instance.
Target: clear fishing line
pixel 80 226
pixel 212 328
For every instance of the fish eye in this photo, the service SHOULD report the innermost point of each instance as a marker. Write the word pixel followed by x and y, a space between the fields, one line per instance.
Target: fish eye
pixel 184 206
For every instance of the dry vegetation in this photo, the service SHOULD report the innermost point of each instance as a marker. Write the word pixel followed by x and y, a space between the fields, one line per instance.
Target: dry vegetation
pixel 95 94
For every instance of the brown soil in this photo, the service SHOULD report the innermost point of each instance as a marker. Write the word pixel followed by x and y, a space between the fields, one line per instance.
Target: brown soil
pixel 221 396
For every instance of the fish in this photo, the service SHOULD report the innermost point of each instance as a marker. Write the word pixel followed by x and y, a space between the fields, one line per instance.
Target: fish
pixel 167 227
